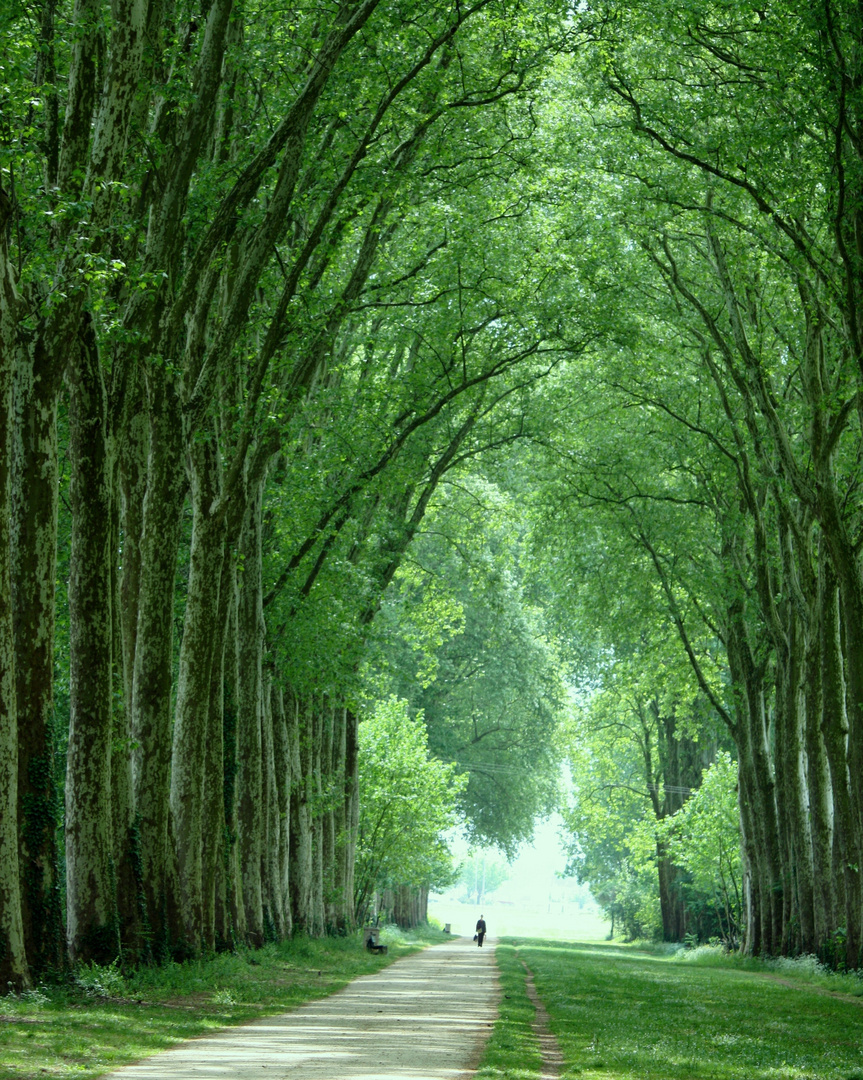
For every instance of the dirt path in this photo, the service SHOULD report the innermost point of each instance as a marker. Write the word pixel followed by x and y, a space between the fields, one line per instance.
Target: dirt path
pixel 425 1017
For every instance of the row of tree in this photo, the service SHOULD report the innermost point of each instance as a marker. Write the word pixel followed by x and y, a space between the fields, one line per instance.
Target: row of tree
pixel 275 284
pixel 712 482
pixel 262 292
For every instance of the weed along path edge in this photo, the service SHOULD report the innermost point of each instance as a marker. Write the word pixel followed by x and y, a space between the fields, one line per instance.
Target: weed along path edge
pixel 425 1017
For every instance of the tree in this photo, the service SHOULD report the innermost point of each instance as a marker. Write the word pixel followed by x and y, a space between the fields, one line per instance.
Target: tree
pixel 408 803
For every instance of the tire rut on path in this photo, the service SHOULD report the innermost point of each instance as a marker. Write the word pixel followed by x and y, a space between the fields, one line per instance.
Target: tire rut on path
pixel 552 1058
pixel 425 1017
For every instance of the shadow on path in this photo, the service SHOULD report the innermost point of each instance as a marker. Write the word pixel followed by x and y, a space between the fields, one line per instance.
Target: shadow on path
pixel 425 1017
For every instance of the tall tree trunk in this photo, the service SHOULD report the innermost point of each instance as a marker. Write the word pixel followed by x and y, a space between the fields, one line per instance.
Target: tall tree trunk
pixel 131 915
pixel 352 811
pixel 216 909
pixel 34 571
pixel 762 832
pixel 342 896
pixel 328 778
pixel 316 799
pixel 191 717
pixel 250 640
pixel 13 959
pixel 91 915
pixel 272 824
pixel 233 884
pixel 301 828
pixel 818 782
pixel 282 757
pixel 834 728
pixel 151 692
pixel 792 798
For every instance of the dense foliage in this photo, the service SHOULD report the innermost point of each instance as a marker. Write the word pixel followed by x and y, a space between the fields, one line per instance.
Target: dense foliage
pixel 497 357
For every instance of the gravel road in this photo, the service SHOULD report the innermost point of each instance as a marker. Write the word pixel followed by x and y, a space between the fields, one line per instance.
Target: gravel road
pixel 425 1017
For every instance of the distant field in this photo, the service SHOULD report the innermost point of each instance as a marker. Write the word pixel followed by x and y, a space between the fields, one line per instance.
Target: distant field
pixel 570 924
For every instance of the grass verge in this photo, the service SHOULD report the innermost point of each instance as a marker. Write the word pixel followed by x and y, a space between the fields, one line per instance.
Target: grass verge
pixel 103 1021
pixel 620 1014
pixel 512 1051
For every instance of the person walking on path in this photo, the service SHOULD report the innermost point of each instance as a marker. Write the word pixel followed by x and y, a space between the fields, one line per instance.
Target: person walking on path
pixel 480 930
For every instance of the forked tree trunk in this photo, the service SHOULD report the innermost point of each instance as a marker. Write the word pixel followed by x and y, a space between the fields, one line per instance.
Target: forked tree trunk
pixel 91 916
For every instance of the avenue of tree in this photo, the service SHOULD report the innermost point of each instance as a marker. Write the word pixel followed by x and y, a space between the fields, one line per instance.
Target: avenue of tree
pixel 396 398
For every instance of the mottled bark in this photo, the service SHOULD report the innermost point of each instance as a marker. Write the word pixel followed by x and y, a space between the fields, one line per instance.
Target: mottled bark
pixel 818 784
pixel 151 693
pixel 282 760
pixel 301 829
pixel 132 453
pixel 250 640
pixel 343 916
pixel 91 917
pixel 274 917
pixel 131 917
pixel 846 564
pixel 34 571
pixel 757 787
pixel 191 716
pixel 13 959
pixel 233 886
pixel 792 797
pixel 834 728
pixel 316 801
pixel 352 810
pixel 217 921
pixel 131 486
pixel 328 837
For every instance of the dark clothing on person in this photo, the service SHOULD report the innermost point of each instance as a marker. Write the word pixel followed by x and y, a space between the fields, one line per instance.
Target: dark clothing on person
pixel 480 930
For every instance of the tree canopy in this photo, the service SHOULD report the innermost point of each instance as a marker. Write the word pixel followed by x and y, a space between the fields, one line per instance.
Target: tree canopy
pixel 500 360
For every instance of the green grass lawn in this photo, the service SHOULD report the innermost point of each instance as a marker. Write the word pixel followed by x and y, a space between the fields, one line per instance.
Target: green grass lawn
pixel 621 1014
pixel 75 1031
